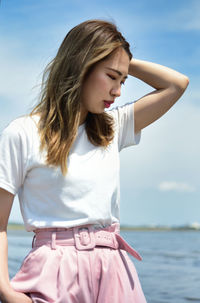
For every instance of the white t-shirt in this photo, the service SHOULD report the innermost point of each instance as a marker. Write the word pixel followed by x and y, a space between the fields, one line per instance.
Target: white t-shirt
pixel 88 194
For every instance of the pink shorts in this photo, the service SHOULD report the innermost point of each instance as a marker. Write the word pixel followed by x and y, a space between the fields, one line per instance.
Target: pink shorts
pixel 79 265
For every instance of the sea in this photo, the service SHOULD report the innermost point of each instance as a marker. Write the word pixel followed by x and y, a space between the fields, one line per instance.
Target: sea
pixel 169 271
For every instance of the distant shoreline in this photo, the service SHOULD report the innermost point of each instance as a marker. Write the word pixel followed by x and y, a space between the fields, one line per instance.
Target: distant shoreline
pixel 158 228
pixel 18 226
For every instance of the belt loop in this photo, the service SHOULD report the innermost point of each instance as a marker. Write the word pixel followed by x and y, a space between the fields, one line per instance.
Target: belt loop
pixel 53 240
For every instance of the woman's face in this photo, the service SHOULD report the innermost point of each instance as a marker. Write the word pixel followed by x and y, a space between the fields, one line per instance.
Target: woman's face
pixel 103 84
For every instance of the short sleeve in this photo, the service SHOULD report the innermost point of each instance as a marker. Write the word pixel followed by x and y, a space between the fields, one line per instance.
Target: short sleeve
pixel 12 158
pixel 124 121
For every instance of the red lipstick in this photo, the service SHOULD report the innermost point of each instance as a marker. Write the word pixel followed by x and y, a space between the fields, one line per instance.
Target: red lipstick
pixel 107 104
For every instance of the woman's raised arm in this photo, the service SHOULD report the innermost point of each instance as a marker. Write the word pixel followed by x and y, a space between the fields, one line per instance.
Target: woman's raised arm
pixel 169 85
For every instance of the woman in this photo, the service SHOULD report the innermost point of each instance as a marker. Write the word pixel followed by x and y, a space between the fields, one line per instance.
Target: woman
pixel 63 161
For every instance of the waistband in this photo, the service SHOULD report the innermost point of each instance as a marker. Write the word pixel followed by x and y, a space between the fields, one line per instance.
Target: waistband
pixel 83 238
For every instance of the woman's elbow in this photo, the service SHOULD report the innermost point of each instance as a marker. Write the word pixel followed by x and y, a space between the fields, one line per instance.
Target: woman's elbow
pixel 178 87
pixel 183 83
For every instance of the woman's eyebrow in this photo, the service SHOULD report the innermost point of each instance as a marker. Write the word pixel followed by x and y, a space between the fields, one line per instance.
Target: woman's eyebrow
pixel 117 71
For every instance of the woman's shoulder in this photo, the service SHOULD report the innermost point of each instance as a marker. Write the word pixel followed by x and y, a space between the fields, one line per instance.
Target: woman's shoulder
pixel 21 125
pixel 25 120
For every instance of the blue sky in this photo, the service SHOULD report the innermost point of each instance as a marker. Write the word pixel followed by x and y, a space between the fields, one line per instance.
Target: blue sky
pixel 160 177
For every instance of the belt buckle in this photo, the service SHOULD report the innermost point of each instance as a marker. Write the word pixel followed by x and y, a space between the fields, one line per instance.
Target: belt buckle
pixel 84 237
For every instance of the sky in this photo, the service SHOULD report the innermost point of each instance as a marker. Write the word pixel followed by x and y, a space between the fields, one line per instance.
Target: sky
pixel 160 177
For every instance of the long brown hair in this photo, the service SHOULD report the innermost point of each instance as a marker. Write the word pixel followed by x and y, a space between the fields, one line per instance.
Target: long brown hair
pixel 59 108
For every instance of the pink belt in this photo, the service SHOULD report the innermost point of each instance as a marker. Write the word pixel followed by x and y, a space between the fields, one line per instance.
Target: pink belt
pixel 83 238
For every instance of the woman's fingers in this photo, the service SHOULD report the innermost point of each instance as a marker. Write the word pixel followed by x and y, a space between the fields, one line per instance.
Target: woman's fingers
pixel 16 297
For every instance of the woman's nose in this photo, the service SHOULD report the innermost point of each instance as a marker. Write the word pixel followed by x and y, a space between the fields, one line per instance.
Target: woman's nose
pixel 116 91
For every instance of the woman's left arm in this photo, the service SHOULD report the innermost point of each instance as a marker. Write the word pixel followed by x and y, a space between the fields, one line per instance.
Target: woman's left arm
pixel 169 85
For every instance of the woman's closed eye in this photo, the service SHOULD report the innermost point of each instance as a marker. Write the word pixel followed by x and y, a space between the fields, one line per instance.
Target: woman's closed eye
pixel 114 78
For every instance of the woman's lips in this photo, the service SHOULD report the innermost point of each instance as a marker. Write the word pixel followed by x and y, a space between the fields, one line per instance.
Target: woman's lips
pixel 107 104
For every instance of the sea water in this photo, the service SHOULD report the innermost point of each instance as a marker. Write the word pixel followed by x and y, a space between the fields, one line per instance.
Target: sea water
pixel 169 272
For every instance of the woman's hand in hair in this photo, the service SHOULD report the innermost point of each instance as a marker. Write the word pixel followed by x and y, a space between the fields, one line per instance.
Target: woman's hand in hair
pixel 169 85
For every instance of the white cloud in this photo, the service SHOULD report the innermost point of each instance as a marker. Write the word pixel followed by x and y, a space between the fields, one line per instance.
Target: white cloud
pixel 20 77
pixel 191 16
pixel 188 18
pixel 176 186
pixel 18 74
pixel 195 225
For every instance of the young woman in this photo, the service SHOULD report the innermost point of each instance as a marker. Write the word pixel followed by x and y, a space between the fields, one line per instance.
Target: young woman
pixel 63 162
